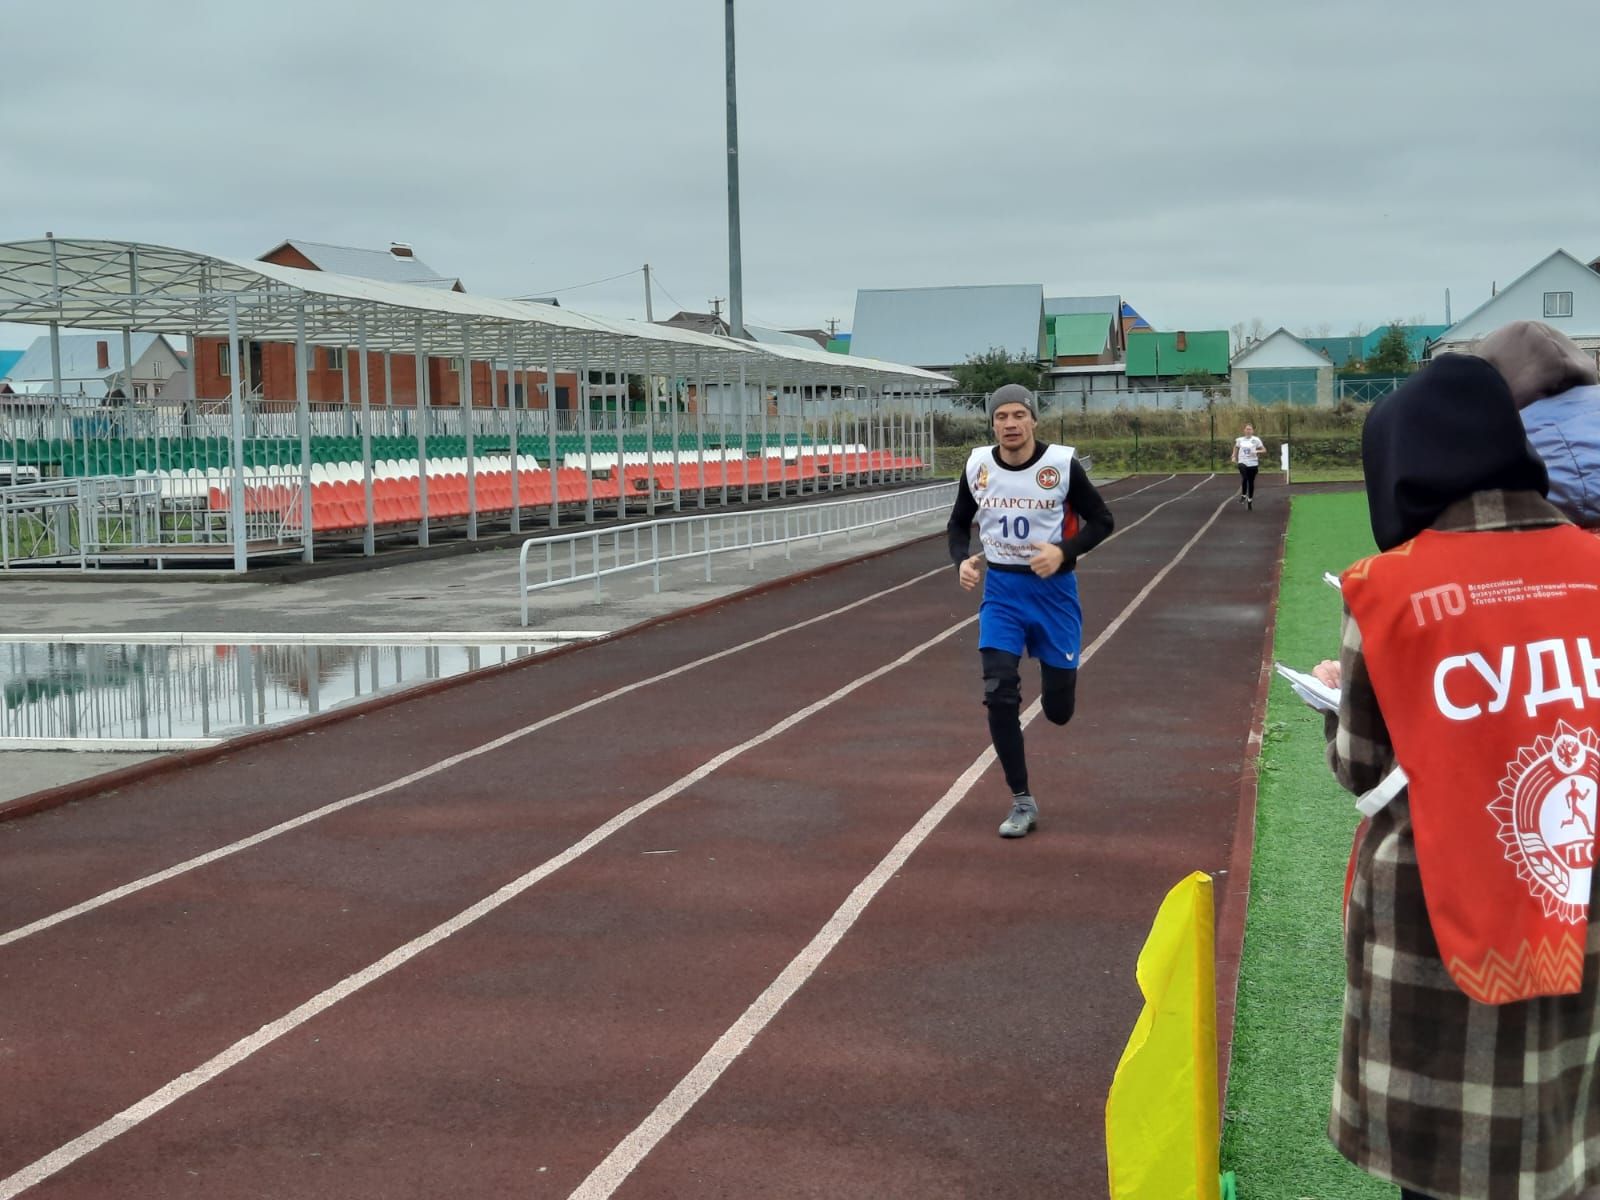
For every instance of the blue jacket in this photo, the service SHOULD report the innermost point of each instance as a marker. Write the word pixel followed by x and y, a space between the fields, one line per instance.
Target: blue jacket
pixel 1565 430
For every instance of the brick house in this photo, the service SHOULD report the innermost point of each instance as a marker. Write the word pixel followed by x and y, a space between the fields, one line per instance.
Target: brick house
pixel 333 374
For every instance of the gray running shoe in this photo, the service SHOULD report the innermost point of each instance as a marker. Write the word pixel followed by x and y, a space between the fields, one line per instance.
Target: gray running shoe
pixel 1024 818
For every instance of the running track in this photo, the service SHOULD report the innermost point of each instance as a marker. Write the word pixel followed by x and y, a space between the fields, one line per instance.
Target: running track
pixel 712 909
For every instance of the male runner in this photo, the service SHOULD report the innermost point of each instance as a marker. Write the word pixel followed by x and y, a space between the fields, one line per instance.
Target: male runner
pixel 1037 514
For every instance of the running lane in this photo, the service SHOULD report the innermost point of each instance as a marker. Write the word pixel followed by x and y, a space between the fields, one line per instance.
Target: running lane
pixel 541 1035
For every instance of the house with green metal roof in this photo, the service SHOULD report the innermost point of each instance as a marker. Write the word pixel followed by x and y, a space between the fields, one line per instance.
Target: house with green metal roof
pixel 1081 339
pixel 1154 357
pixel 1357 348
pixel 1339 351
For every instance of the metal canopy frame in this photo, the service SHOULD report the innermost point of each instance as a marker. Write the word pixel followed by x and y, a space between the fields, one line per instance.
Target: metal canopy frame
pixel 99 284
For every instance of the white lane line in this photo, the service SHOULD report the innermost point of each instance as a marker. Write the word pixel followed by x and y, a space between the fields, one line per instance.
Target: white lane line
pixel 256 839
pixel 631 1151
pixel 1148 486
pixel 142 1110
pixel 444 764
pixel 1122 529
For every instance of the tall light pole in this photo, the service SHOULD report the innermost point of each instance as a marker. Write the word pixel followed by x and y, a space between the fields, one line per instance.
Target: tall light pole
pixel 735 270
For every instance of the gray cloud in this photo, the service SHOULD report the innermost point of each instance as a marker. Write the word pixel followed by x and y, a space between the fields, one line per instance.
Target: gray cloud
pixel 1212 162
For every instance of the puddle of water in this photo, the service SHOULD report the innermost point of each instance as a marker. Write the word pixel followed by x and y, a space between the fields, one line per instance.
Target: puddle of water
pixel 70 693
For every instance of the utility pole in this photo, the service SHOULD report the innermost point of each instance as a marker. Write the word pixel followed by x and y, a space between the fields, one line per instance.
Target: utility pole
pixel 833 327
pixel 735 268
pixel 649 313
pixel 716 306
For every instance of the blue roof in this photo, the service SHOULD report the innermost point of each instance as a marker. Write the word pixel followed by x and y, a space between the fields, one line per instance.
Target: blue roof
pixel 9 359
pixel 1138 321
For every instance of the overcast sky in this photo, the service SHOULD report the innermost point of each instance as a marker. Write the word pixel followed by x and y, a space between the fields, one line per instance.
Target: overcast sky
pixel 1331 164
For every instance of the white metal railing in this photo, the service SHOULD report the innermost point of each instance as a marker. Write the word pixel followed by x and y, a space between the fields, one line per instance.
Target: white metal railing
pixel 77 519
pixel 594 554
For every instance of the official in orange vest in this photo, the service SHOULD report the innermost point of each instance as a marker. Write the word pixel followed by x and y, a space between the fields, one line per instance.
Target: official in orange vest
pixel 1470 657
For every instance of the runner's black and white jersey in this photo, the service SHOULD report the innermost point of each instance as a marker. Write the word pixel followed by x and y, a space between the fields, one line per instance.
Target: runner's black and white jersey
pixel 1082 519
pixel 1018 508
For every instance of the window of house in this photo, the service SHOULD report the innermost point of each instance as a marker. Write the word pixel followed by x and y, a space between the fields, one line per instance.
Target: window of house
pixel 334 357
pixel 224 360
pixel 1558 304
pixel 458 365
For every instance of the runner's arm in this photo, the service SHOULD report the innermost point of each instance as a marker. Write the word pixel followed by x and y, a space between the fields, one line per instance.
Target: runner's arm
pixel 1094 518
pixel 959 529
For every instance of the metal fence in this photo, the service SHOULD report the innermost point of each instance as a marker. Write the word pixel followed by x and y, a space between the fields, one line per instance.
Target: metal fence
pixel 593 555
pixel 1353 390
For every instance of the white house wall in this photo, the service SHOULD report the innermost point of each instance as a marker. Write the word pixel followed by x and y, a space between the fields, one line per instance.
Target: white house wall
pixel 1281 351
pixel 1524 301
pixel 156 365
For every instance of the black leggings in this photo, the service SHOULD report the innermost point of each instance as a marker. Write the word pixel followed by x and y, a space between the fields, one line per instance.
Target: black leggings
pixel 1247 480
pixel 1002 695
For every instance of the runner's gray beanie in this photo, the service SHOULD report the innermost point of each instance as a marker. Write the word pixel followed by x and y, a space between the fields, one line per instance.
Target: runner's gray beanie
pixel 1012 393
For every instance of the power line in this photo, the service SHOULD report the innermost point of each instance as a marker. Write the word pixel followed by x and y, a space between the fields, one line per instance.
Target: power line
pixel 579 286
pixel 655 275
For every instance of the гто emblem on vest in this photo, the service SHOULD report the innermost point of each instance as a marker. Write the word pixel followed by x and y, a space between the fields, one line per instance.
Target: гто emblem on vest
pixel 1048 478
pixel 1546 810
pixel 983 477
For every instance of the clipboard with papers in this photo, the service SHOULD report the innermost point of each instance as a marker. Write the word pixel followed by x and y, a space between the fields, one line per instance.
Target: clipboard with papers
pixel 1323 698
pixel 1310 689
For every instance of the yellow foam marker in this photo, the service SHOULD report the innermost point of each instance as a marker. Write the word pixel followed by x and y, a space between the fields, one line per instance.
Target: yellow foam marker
pixel 1162 1114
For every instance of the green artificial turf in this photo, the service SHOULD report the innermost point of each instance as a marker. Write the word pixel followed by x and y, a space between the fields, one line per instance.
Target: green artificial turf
pixel 1291 979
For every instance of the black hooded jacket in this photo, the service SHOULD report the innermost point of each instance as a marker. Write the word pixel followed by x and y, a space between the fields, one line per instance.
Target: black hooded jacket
pixel 1450 430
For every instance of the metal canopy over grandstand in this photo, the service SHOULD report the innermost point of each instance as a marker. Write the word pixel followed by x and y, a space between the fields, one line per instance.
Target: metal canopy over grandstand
pixel 94 284
pixel 108 285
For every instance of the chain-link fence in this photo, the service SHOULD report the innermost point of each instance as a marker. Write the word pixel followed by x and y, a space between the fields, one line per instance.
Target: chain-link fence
pixel 1197 439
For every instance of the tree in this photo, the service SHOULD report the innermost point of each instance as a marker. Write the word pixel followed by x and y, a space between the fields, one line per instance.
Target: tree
pixel 1200 381
pixel 1393 354
pixel 983 373
pixel 1247 335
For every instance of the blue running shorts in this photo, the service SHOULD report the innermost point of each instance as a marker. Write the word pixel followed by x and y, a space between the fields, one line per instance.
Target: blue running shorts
pixel 1022 613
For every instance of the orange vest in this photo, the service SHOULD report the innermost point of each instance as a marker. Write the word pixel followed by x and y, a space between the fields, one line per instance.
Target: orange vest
pixel 1484 653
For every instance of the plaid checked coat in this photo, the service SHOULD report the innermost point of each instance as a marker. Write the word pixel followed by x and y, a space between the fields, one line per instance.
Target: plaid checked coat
pixel 1435 1092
